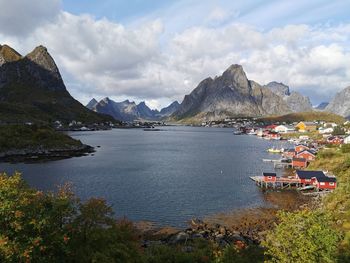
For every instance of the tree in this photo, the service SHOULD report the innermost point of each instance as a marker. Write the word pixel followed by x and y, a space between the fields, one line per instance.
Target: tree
pixel 303 236
pixel 338 131
pixel 56 227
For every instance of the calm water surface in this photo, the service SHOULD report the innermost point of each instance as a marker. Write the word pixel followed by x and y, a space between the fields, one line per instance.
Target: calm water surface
pixel 167 177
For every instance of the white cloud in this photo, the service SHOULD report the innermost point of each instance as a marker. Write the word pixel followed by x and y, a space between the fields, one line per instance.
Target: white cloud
pixel 99 58
pixel 19 18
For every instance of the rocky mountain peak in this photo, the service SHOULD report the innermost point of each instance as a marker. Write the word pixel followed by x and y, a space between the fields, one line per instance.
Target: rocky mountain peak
pixel 92 103
pixel 8 54
pixel 41 57
pixel 235 76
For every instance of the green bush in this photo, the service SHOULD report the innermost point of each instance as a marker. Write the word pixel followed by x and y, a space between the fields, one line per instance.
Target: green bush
pixel 303 236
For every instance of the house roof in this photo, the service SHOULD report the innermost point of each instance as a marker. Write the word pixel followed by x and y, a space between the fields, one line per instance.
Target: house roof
pixel 290 150
pixel 306 151
pixel 295 159
pixel 270 174
pixel 327 179
pixel 309 123
pixel 310 174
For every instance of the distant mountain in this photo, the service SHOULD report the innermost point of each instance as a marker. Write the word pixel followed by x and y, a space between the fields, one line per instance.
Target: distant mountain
pixel 321 106
pixel 32 89
pixel 92 103
pixel 295 101
pixel 167 111
pixel 340 104
pixel 130 111
pixel 230 95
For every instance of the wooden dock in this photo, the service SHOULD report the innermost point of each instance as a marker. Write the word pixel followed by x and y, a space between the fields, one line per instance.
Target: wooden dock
pixel 280 183
pixel 277 163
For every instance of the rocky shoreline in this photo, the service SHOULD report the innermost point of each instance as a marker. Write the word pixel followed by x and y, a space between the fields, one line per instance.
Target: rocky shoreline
pixel 42 154
pixel 241 228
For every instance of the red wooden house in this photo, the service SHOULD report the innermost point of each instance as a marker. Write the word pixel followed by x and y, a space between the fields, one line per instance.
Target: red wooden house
pixel 306 154
pixel 299 162
pixel 328 183
pixel 306 177
pixel 300 148
pixel 270 127
pixel 335 140
pixel 269 177
pixel 316 178
pixel 289 153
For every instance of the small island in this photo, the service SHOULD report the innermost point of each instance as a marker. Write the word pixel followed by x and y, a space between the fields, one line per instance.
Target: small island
pixel 32 143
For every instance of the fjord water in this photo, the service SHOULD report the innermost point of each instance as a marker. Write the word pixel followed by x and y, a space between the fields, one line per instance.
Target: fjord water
pixel 167 176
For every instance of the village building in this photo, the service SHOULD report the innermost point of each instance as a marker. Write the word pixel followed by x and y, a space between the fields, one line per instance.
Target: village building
pixel 284 129
pixel 289 153
pixel 347 140
pixel 270 127
pixel 299 162
pixel 301 147
pixel 325 183
pixel 328 130
pixel 269 177
pixel 306 154
pixel 335 140
pixel 306 126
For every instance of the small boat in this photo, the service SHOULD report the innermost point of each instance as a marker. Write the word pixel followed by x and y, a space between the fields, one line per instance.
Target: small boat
pixel 274 150
pixel 237 132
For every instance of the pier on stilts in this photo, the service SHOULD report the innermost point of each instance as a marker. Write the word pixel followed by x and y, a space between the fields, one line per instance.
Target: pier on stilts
pixel 277 182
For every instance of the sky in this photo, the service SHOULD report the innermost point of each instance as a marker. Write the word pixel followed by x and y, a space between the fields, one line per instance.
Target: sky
pixel 157 51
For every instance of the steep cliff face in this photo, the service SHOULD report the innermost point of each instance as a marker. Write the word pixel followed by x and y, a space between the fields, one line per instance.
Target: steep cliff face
pixel 340 104
pixel 231 94
pixel 32 89
pixel 295 101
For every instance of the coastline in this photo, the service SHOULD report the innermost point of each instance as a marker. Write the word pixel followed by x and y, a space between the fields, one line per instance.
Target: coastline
pixel 42 154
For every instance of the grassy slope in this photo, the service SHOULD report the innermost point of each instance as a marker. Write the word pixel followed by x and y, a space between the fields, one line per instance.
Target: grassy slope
pixel 16 137
pixel 337 161
pixel 305 116
pixel 29 103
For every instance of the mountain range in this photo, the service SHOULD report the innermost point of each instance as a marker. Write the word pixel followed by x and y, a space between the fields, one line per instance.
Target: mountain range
pixel 32 89
pixel 129 110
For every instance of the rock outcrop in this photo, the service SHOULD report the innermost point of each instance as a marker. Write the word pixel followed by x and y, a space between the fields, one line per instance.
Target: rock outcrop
pixel 340 104
pixel 295 101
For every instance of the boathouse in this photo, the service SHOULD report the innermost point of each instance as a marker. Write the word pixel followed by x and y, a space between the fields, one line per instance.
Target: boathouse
pixel 299 162
pixel 269 177
pixel 301 147
pixel 306 154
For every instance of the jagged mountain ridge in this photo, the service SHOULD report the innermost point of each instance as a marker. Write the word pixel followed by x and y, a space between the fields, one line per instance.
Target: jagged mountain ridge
pixel 340 104
pixel 232 94
pixel 295 101
pixel 130 111
pixel 32 89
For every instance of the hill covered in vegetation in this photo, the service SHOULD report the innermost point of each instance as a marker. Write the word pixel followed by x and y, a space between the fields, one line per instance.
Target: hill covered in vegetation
pixel 304 116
